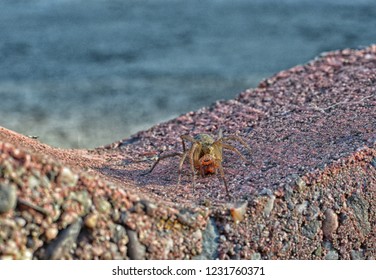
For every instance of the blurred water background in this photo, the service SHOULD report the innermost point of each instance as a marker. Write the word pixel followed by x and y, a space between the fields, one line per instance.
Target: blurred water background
pixel 85 73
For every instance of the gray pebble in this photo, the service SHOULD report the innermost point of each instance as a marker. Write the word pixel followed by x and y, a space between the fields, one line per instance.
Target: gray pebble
pixel 360 208
pixel 332 255
pixel 118 233
pixel 150 208
pixel 301 208
pixel 63 243
pixel 300 183
pixel 227 228
pixel 8 197
pixel 209 242
pixel 373 162
pixel 136 251
pixel 311 228
pixel 357 255
pixel 327 245
pixel 256 256
pixel 269 206
pixel 186 218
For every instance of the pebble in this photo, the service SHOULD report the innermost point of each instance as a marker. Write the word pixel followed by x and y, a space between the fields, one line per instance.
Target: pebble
pixel 318 251
pixel 197 236
pixel 300 208
pixel 84 199
pixel 209 242
pixel 330 223
pixel 238 211
pixel 373 162
pixel 119 234
pixel 227 228
pixel 327 245
pixel 269 206
pixel 115 215
pixel 67 177
pixel 33 182
pixel 63 243
pixel 21 222
pixel 357 255
pixel 8 197
pixel 17 154
pixel 256 256
pixel 186 218
pixel 168 248
pixel 300 183
pixel 103 206
pixel 150 208
pixel 45 182
pixel 123 217
pixel 311 228
pixel 91 220
pixel 51 233
pixel 136 251
pixel 332 255
pixel 360 207
pixel 27 255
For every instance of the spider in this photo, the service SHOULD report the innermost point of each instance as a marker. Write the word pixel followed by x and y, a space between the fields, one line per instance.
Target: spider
pixel 205 155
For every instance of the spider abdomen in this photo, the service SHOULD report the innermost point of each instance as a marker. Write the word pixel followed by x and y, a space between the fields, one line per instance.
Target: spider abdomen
pixel 207 164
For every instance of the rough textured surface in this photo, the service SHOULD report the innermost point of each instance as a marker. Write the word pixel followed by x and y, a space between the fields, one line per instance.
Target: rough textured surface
pixel 308 191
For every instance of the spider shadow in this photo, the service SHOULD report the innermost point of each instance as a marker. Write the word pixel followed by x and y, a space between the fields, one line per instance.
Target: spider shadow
pixel 164 175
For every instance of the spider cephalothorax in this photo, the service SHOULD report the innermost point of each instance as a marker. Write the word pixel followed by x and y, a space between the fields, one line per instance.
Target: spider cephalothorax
pixel 205 154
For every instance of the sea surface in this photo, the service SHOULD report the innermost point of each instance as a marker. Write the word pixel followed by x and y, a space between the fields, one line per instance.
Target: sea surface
pixel 85 73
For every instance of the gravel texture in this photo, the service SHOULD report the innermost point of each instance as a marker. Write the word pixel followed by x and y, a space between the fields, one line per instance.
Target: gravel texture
pixel 307 191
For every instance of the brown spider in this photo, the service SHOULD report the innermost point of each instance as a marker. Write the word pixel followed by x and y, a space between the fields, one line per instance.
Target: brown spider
pixel 205 155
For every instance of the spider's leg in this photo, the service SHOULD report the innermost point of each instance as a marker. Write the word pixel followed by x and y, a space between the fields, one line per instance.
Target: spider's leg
pixel 223 177
pixel 183 157
pixel 187 138
pixel 159 159
pixel 191 159
pixel 220 134
pixel 231 148
pixel 202 171
pixel 238 139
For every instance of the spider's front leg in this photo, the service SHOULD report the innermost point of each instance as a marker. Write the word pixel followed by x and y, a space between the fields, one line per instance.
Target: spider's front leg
pixel 181 162
pixel 223 177
pixel 238 139
pixel 187 138
pixel 232 148
pixel 193 152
